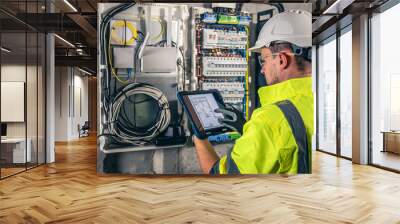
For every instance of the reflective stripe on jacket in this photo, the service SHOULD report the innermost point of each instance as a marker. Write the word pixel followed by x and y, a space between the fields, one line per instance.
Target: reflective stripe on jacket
pixel 268 144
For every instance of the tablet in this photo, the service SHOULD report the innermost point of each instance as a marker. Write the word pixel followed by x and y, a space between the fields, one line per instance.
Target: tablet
pixel 200 107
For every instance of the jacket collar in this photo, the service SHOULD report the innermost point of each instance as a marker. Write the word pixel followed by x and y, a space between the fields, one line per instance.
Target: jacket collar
pixel 284 90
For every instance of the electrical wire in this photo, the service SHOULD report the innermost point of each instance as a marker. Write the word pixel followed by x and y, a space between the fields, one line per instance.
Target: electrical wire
pixel 161 32
pixel 184 68
pixel 104 32
pixel 104 62
pixel 126 131
pixel 183 65
pixel 123 40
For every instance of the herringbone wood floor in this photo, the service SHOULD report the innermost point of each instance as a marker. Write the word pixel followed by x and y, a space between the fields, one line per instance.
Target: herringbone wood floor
pixel 70 191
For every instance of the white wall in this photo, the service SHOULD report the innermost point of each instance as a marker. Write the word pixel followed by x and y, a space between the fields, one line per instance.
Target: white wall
pixel 61 103
pixel 79 117
pixel 70 83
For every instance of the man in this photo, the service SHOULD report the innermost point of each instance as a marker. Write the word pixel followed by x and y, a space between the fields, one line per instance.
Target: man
pixel 277 138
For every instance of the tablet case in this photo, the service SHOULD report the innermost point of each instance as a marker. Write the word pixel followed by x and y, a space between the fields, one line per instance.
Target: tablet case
pixel 196 126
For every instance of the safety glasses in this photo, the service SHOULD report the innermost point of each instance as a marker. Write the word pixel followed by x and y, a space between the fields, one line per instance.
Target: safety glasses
pixel 261 59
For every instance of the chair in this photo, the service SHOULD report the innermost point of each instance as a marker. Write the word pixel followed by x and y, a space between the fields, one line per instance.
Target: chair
pixel 84 130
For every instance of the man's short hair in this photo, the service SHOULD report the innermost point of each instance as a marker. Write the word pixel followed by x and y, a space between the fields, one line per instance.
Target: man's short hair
pixel 300 60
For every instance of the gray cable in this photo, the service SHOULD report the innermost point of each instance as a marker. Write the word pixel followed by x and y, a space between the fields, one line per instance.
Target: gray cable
pixel 130 136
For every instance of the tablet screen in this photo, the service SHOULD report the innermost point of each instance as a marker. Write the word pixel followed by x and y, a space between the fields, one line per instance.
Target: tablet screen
pixel 204 106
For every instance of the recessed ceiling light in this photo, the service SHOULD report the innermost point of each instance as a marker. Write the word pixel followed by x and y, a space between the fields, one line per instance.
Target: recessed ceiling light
pixel 338 6
pixel 70 5
pixel 84 71
pixel 5 50
pixel 64 40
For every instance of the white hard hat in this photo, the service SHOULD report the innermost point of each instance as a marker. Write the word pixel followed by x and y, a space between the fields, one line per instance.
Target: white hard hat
pixel 293 26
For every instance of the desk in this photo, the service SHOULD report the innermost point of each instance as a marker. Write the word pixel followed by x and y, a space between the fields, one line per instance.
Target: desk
pixel 391 141
pixel 13 150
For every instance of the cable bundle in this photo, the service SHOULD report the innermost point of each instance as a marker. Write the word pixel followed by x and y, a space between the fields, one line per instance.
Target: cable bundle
pixel 120 128
pixel 125 130
pixel 125 25
pixel 104 49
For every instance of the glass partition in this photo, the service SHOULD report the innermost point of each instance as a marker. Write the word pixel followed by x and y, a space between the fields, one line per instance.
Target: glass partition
pixel 22 88
pixel 14 145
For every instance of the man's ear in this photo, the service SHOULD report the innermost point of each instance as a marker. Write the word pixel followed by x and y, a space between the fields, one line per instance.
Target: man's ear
pixel 284 60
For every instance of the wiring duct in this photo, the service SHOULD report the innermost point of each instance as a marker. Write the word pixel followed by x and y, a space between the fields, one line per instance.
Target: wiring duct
pixel 117 125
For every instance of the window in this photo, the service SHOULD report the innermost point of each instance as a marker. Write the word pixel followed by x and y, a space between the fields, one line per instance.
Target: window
pixel 385 89
pixel 346 93
pixel 327 96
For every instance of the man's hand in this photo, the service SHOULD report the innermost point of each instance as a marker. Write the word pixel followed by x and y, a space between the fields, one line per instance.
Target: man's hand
pixel 233 118
pixel 205 153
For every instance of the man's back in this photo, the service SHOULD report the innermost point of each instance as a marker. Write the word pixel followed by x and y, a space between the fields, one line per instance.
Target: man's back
pixel 268 144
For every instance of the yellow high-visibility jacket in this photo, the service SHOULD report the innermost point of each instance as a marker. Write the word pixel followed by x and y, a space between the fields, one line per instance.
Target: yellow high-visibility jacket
pixel 270 141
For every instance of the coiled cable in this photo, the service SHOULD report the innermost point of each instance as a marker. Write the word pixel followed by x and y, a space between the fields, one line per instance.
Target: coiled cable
pixel 123 24
pixel 124 130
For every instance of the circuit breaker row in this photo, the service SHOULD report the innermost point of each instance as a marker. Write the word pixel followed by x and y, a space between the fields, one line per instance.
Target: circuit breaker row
pixel 215 65
pixel 224 86
pixel 221 38
pixel 233 100
pixel 232 92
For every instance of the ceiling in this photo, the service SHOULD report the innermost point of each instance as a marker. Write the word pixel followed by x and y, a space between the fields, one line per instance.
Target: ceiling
pixel 77 23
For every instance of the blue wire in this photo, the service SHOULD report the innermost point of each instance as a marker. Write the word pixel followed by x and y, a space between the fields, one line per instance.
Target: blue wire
pixel 129 73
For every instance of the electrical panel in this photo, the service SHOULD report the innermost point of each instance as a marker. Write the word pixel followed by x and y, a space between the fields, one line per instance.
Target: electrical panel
pixel 220 54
